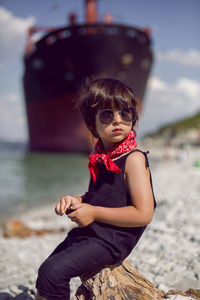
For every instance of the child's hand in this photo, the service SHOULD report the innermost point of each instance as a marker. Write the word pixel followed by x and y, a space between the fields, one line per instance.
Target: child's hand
pixel 66 202
pixel 83 215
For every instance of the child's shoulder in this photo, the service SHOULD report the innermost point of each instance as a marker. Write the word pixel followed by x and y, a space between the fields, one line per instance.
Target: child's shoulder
pixel 137 158
pixel 136 155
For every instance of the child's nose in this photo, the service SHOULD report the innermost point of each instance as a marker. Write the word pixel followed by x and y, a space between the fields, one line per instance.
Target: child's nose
pixel 117 117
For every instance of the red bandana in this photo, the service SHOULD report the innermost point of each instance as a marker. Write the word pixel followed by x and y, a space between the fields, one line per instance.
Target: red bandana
pixel 105 157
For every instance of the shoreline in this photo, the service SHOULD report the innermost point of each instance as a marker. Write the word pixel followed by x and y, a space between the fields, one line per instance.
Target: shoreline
pixel 168 253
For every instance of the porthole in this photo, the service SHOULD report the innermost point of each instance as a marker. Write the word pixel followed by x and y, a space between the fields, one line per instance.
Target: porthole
pixel 141 39
pixel 127 59
pixel 69 76
pixel 82 31
pixel 37 63
pixel 131 33
pixel 65 33
pixel 145 63
pixel 51 39
pixel 111 31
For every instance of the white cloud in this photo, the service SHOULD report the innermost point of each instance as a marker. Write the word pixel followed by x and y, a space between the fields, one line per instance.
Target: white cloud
pixel 166 103
pixel 13 31
pixel 189 87
pixel 190 58
pixel 12 117
pixel 157 84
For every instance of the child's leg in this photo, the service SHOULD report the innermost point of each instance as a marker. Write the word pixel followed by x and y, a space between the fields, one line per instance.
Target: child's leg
pixel 80 257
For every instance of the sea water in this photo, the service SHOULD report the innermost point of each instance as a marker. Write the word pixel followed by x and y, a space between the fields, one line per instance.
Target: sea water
pixel 33 179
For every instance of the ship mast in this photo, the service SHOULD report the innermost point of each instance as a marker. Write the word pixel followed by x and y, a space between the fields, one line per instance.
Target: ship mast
pixel 91 13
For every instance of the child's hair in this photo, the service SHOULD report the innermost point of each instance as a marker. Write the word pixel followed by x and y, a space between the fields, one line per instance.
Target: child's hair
pixel 103 93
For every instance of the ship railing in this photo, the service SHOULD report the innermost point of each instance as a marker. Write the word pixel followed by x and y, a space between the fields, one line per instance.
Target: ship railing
pixel 52 35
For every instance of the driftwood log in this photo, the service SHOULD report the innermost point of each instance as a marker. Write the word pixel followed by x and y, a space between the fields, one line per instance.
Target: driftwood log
pixel 117 282
pixel 16 228
pixel 124 282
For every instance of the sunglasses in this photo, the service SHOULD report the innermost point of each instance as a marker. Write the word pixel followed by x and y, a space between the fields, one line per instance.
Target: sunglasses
pixel 106 116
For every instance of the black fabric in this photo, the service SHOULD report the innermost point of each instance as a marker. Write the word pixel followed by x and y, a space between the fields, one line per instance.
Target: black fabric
pixel 93 246
pixel 70 259
pixel 110 190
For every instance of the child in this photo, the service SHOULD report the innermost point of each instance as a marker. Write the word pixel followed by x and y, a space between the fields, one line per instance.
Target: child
pixel 119 204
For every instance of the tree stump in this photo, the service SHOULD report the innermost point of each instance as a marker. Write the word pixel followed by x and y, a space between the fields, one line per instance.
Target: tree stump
pixel 117 282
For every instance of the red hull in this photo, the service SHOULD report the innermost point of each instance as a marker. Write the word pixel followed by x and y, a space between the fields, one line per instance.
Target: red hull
pixel 55 125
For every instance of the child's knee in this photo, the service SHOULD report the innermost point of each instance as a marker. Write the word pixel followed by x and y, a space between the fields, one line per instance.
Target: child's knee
pixel 48 275
pixel 48 272
pixel 51 282
pixel 45 270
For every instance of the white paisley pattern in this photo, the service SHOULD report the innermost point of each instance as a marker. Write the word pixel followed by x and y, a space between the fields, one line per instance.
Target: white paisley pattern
pixel 105 157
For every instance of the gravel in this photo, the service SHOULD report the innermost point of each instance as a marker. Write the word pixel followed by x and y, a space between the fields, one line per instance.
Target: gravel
pixel 168 254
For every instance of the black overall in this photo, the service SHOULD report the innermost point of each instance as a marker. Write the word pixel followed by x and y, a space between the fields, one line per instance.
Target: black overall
pixel 95 245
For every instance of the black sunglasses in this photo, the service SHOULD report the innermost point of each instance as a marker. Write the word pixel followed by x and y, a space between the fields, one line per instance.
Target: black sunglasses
pixel 106 116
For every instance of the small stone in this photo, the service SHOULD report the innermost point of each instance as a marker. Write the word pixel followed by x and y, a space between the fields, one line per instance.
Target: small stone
pixel 178 297
pixel 163 288
pixel 15 290
pixel 186 283
pixel 22 288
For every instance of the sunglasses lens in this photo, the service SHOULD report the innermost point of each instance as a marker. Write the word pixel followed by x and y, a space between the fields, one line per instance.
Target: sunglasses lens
pixel 127 114
pixel 106 116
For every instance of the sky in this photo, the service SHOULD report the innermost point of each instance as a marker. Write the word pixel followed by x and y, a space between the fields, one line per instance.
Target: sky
pixel 173 90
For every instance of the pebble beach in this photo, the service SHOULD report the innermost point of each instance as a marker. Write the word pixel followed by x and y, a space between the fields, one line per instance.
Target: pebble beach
pixel 168 253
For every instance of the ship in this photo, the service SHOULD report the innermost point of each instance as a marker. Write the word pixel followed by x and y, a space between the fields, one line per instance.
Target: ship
pixel 58 62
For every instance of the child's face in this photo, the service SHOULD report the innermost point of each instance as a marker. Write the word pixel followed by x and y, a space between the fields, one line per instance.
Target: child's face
pixel 118 128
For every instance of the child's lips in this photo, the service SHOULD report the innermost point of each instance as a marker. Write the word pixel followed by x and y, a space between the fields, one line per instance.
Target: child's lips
pixel 117 130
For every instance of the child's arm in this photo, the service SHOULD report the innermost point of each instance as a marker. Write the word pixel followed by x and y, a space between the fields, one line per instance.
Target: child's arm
pixel 140 213
pixel 66 202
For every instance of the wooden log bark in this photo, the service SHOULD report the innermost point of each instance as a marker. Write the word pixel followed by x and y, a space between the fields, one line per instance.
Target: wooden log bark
pixel 118 282
pixel 192 293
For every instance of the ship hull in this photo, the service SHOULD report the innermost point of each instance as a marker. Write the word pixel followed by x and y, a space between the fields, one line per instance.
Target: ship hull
pixel 61 61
